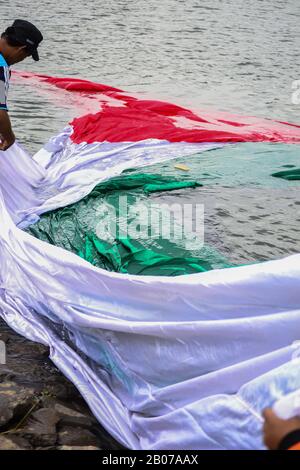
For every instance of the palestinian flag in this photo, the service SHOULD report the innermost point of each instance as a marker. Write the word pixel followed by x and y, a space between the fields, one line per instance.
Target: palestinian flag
pixel 178 341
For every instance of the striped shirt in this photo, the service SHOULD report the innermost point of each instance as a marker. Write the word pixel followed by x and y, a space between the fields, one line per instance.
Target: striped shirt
pixel 4 82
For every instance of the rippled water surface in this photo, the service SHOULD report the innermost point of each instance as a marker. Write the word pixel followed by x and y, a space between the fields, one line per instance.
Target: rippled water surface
pixel 233 55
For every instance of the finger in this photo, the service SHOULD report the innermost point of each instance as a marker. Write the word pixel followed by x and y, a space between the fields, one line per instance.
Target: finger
pixel 271 417
pixel 268 414
pixel 3 144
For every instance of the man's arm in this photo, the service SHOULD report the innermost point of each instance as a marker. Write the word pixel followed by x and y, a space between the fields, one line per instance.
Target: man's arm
pixel 281 434
pixel 7 137
pixel 6 134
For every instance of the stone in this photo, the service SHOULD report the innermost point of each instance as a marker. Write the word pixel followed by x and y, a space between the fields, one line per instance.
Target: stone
pixel 76 436
pixel 78 448
pixel 40 429
pixel 6 374
pixel 15 401
pixel 8 442
pixel 71 417
pixel 30 379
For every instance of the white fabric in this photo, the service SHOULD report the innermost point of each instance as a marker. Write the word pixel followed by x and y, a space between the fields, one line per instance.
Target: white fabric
pixel 164 363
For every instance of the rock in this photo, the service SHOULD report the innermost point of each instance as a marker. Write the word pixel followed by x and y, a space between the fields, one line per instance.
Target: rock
pixel 29 378
pixel 8 444
pixel 15 401
pixel 4 336
pixel 76 436
pixel 40 429
pixel 71 417
pixel 78 448
pixel 45 416
pixel 6 374
pixel 62 389
pixel 13 443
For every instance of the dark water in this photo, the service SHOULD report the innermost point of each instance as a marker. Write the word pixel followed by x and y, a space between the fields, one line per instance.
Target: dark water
pixel 224 54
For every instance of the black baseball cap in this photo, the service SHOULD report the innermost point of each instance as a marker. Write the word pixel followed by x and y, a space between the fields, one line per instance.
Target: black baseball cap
pixel 27 34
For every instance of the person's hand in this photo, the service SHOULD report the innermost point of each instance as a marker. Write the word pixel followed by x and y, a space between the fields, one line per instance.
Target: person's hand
pixel 7 141
pixel 275 429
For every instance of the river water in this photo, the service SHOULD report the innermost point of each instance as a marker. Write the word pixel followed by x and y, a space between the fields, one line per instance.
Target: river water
pixel 234 55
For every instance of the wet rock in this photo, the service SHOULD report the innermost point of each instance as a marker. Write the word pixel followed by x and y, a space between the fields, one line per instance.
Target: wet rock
pixel 39 407
pixel 76 436
pixel 13 443
pixel 4 336
pixel 6 374
pixel 71 417
pixel 40 429
pixel 15 401
pixel 78 448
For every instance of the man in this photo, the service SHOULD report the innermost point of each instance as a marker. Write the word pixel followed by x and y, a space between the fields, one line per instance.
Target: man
pixel 18 41
pixel 281 434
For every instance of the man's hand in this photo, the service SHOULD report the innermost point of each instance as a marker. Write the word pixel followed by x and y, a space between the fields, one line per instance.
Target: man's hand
pixel 275 429
pixel 6 142
pixel 7 137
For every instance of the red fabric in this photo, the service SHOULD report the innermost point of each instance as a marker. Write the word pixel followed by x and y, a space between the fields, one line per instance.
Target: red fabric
pixel 125 118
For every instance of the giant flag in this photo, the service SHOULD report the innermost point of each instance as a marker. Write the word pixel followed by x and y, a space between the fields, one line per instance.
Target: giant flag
pixel 170 350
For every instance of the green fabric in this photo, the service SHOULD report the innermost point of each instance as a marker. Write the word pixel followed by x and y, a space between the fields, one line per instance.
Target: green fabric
pixel 289 175
pixel 152 188
pixel 142 182
pixel 75 229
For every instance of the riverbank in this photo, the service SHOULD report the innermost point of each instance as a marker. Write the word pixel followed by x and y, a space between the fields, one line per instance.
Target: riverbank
pixel 39 408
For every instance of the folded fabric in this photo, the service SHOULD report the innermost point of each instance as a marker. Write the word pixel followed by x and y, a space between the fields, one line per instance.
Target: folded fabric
pixel 290 175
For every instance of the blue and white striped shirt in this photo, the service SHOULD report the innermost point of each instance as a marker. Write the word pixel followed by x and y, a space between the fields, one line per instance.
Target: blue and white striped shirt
pixel 4 82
